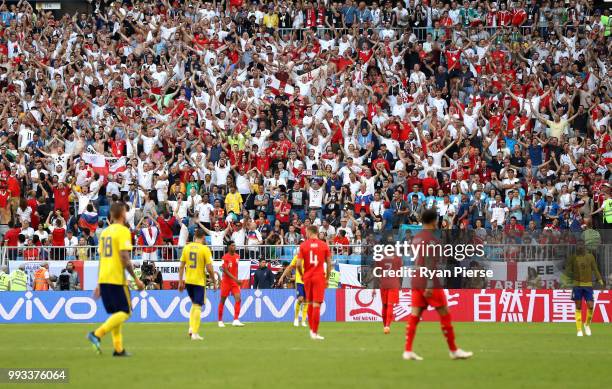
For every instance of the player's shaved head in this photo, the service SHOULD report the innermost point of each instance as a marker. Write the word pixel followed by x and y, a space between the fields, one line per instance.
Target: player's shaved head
pixel 429 217
pixel 198 234
pixel 312 231
pixel 117 212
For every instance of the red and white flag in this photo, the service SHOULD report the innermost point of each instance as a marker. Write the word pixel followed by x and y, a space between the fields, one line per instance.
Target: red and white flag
pixel 117 165
pixel 279 87
pixel 104 166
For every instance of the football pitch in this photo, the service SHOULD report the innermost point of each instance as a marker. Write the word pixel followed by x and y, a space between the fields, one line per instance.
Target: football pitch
pixel 278 355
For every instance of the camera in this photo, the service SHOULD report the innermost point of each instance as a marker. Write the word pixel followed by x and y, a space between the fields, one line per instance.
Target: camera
pixel 147 268
pixel 64 280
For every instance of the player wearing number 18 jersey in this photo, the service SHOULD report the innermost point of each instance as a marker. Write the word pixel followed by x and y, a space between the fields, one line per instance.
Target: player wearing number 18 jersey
pixel 312 255
pixel 115 249
pixel 196 260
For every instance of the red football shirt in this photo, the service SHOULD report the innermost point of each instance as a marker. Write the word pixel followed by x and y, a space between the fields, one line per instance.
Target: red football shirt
pixel 423 240
pixel 387 281
pixel 4 196
pixel 61 196
pixel 12 237
pixel 314 253
pixel 230 263
pixel 14 186
pixel 58 236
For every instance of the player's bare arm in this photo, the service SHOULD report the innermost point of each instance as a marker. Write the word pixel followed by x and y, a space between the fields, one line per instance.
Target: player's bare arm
pixel 285 274
pixel 230 275
pixel 181 272
pixel 328 261
pixel 212 275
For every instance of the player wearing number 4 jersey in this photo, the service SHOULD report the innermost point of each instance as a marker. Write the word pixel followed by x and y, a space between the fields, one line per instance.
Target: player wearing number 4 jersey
pixel 115 249
pixel 230 284
pixel 312 255
pixel 428 292
pixel 196 260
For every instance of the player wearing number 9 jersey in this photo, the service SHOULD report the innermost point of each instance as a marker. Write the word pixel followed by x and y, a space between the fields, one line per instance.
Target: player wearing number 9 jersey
pixel 196 260
pixel 114 248
pixel 312 255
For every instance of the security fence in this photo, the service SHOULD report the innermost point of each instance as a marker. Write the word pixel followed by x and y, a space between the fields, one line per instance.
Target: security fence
pixel 349 254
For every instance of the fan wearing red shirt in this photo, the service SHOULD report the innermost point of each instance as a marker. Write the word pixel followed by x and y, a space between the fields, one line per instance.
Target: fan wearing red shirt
pixel 165 223
pixel 58 233
pixel 427 291
pixel 430 182
pixel 230 283
pixel 282 210
pixel 4 198
pixel 117 146
pixel 61 196
pixel 12 235
pixel 312 253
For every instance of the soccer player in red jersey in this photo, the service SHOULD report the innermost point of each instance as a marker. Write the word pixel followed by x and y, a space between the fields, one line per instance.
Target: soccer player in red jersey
pixel 230 284
pixel 390 285
pixel 429 292
pixel 313 252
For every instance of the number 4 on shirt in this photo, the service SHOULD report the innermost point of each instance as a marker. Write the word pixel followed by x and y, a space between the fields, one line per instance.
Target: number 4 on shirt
pixel 313 260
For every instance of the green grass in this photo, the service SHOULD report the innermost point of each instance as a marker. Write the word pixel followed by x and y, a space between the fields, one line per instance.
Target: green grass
pixel 354 355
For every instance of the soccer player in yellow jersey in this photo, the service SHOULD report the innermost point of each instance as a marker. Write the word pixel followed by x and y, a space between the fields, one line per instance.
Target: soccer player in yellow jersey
pixel 580 270
pixel 301 295
pixel 114 248
pixel 196 260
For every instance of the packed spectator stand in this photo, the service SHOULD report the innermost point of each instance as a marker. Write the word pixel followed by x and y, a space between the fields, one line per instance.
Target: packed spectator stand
pixel 255 120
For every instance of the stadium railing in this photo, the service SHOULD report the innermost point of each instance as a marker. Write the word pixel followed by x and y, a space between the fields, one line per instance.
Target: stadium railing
pixel 350 254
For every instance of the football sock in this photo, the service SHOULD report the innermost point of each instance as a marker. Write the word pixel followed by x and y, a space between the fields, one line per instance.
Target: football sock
pixel 117 338
pixel 236 310
pixel 578 319
pixel 310 321
pixel 114 320
pixel 384 315
pixel 589 316
pixel 220 312
pixel 316 313
pixel 448 331
pixel 194 318
pixel 389 315
pixel 304 310
pixel 411 327
pixel 296 313
pixel 191 320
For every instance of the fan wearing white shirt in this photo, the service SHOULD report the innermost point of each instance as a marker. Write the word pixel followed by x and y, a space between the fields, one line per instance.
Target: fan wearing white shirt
pixel 179 207
pixel 203 210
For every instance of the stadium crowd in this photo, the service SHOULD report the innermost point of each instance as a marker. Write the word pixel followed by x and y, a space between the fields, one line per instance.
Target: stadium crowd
pixel 255 120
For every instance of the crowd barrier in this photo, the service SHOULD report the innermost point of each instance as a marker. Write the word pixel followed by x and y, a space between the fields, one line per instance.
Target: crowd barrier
pixel 349 254
pixel 276 305
pixel 510 264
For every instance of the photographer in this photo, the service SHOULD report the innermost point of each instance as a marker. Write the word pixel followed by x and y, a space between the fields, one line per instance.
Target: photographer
pixel 68 279
pixel 151 277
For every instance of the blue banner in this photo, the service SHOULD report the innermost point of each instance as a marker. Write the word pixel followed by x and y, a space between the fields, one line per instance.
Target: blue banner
pixel 152 306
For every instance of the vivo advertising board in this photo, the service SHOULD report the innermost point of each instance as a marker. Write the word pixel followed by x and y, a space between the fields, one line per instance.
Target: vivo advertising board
pixel 151 306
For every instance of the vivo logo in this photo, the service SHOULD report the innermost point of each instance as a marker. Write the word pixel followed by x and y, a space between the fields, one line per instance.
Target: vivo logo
pixel 146 307
pixel 66 306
